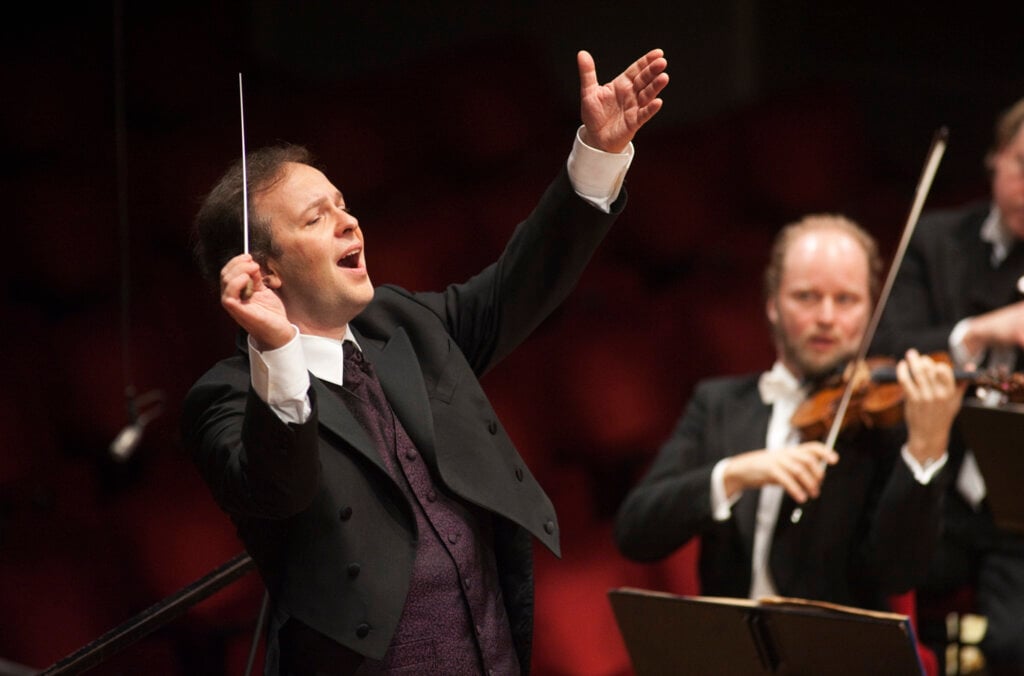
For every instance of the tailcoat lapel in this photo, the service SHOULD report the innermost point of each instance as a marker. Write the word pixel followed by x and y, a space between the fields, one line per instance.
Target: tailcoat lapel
pixel 339 420
pixel 398 371
pixel 401 378
pixel 749 432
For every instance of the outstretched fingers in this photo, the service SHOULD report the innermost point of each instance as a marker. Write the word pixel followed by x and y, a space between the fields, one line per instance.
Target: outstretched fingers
pixel 648 80
pixel 647 67
pixel 645 82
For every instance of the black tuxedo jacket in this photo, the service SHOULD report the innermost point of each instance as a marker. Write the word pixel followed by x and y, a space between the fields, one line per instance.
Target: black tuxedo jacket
pixel 869 534
pixel 934 288
pixel 314 502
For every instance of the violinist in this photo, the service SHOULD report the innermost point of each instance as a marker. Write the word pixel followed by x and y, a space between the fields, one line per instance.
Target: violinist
pixel 734 471
pixel 959 290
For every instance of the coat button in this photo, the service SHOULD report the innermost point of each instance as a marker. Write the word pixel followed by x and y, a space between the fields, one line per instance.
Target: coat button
pixel 453 538
pixel 353 570
pixel 345 513
pixel 362 630
pixel 549 526
pixel 431 495
pixel 492 427
pixel 519 473
pixel 410 455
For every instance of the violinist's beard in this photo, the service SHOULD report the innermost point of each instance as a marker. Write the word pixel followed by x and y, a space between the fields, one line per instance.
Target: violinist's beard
pixel 810 369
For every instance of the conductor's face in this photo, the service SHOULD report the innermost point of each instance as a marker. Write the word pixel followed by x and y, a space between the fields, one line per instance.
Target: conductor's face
pixel 319 265
pixel 823 303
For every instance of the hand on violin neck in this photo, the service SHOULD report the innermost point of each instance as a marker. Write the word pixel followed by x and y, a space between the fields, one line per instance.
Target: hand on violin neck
pixel 798 469
pixel 932 400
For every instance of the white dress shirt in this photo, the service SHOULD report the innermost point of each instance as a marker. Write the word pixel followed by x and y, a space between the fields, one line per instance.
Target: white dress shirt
pixel 786 396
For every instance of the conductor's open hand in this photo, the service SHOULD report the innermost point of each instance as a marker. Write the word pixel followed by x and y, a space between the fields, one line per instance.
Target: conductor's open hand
pixel 612 113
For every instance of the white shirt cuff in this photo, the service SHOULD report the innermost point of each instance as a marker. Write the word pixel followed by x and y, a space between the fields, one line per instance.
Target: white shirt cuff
pixel 961 355
pixel 721 506
pixel 970 483
pixel 923 473
pixel 597 176
pixel 280 378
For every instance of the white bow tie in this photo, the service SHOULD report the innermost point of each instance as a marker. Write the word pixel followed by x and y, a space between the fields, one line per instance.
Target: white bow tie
pixel 775 387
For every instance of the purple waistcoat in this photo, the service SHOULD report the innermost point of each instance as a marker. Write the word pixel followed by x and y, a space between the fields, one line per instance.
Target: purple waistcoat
pixel 454 619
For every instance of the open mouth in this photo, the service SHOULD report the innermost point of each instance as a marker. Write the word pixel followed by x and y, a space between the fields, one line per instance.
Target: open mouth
pixel 350 260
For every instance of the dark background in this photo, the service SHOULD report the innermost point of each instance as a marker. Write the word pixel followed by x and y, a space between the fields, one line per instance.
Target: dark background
pixel 441 122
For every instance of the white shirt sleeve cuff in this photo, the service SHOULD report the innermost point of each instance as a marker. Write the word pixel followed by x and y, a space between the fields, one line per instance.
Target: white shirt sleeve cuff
pixel 961 355
pixel 923 473
pixel 970 483
pixel 597 176
pixel 280 378
pixel 721 506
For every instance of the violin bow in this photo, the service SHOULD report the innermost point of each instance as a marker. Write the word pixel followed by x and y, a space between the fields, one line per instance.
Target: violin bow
pixel 931 165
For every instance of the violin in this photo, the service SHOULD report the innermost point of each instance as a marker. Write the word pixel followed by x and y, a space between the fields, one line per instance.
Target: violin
pixel 877 396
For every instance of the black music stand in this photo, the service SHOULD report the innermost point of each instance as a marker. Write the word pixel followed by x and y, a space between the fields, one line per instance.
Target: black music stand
pixel 668 634
pixel 996 437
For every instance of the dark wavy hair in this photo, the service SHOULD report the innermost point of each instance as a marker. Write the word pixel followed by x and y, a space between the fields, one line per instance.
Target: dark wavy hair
pixel 219 223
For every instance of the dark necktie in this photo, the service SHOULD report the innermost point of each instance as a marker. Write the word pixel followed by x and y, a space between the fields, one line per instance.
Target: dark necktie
pixel 365 399
pixel 357 369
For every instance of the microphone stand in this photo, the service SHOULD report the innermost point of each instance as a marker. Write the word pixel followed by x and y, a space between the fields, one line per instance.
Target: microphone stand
pixel 151 618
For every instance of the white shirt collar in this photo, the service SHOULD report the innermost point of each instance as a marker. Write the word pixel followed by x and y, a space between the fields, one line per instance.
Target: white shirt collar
pixel 325 357
pixel 993 232
pixel 779 384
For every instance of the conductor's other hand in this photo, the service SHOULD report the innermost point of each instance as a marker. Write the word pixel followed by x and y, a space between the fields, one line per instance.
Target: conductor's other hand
pixel 612 113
